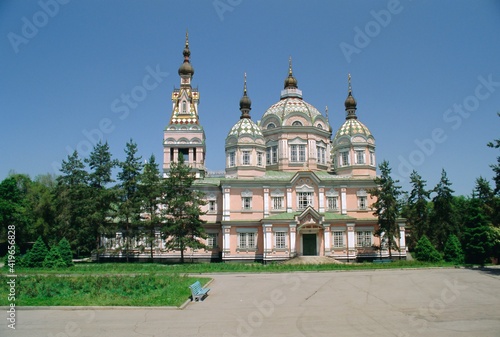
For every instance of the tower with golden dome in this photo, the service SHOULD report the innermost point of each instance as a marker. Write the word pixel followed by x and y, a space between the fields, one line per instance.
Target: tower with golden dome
pixel 184 135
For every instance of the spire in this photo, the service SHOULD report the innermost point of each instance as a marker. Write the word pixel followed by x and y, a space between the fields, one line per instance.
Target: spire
pixel 350 103
pixel 245 102
pixel 186 69
pixel 290 81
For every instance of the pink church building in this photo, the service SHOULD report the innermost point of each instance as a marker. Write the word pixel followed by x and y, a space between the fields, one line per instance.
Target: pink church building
pixel 291 186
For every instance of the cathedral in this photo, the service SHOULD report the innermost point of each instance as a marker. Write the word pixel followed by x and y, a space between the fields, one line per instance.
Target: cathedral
pixel 291 186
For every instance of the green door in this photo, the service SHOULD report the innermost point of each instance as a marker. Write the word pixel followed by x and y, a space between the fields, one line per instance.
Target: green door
pixel 309 244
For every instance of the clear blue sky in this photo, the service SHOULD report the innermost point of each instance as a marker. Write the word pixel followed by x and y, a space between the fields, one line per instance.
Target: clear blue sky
pixel 420 69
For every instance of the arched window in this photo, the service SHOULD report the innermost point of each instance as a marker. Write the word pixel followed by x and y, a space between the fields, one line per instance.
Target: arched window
pixel 271 126
pixel 297 123
pixel 184 107
pixel 320 126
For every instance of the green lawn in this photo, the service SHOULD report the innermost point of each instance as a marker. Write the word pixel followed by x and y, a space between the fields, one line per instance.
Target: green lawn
pixel 85 290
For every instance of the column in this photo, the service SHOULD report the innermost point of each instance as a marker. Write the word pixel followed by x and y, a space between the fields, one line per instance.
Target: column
pixel 343 199
pixel 293 238
pixel 289 200
pixel 266 201
pixel 402 237
pixel 226 241
pixel 268 239
pixel 226 199
pixel 176 155
pixel 190 157
pixel 351 243
pixel 328 235
pixel 322 200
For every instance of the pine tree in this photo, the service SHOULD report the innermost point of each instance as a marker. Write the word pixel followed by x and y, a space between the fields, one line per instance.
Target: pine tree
pixel 182 213
pixel 65 251
pixel 453 250
pixel 129 206
pixel 101 165
pixel 443 223
pixel 495 144
pixel 54 259
pixel 150 191
pixel 478 236
pixel 37 254
pixel 425 251
pixel 73 205
pixel 417 208
pixel 387 207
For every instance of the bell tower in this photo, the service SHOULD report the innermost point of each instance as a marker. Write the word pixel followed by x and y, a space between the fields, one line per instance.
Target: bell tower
pixel 184 135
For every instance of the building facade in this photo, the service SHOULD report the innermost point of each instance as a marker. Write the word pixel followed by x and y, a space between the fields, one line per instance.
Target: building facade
pixel 291 186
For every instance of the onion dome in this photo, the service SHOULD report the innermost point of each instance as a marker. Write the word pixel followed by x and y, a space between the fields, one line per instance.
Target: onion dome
pixel 186 68
pixel 245 126
pixel 350 102
pixel 245 102
pixel 290 81
pixel 352 126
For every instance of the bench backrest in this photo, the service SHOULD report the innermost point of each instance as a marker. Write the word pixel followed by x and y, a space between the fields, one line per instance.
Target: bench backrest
pixel 196 287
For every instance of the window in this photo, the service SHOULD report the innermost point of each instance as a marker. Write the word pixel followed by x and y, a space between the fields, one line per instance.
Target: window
pixel 338 239
pixel 364 239
pixel 212 239
pixel 333 203
pixel 271 126
pixel 185 154
pixel 362 202
pixel 280 240
pixel 246 202
pixel 297 153
pixel 360 157
pixel 320 126
pixel 232 157
pixel 247 240
pixel 211 206
pixel 272 155
pixel 277 202
pixel 297 123
pixel 321 154
pixel 246 158
pixel 344 158
pixel 372 158
pixel 259 158
pixel 184 107
pixel 304 199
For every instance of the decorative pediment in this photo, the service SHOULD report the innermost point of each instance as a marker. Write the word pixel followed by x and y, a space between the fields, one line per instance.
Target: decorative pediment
pixel 309 217
pixel 332 193
pixel 361 193
pixel 277 193
pixel 247 193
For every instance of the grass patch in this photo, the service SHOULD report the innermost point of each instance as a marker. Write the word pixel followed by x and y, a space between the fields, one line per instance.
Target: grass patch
pixel 112 269
pixel 100 290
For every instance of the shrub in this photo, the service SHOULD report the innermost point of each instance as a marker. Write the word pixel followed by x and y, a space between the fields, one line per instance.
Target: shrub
pixel 66 253
pixel 37 254
pixel 425 251
pixel 453 250
pixel 54 259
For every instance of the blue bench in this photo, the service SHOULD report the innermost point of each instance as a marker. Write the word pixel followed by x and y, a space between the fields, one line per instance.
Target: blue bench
pixel 197 291
pixel 382 261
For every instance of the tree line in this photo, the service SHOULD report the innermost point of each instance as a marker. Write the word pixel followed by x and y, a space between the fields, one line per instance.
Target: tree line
pixel 85 203
pixel 441 225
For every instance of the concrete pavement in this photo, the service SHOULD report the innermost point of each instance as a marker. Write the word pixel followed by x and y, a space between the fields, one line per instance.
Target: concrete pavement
pixel 402 303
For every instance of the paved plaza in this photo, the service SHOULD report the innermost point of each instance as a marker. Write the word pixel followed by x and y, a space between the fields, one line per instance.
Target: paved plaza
pixel 426 302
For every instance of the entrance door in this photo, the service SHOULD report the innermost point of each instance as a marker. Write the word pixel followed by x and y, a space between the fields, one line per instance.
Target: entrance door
pixel 309 244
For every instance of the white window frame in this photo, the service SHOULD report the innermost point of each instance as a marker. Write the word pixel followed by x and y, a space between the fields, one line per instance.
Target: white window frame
pixel 338 239
pixel 246 157
pixel 344 158
pixel 362 202
pixel 212 206
pixel 247 240
pixel 360 157
pixel 246 203
pixel 280 238
pixel 212 240
pixel 260 155
pixel 332 203
pixel 363 239
pixel 278 202
pixel 305 199
pixel 232 159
